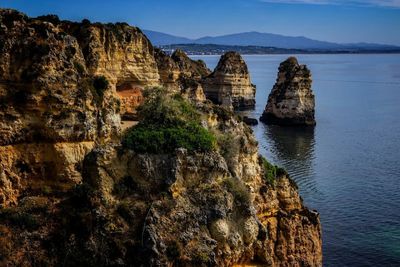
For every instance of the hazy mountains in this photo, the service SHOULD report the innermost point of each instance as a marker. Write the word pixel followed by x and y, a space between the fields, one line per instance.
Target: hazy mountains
pixel 264 40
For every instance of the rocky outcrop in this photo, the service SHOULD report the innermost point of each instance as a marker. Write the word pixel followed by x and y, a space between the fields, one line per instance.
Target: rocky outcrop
pixel 230 83
pixel 28 168
pixel 120 52
pixel 291 101
pixel 44 91
pixel 168 70
pixel 52 108
pixel 71 195
pixel 179 73
pixel 190 209
pixel 195 69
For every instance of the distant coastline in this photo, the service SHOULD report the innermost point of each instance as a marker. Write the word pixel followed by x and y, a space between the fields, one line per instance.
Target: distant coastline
pixel 214 49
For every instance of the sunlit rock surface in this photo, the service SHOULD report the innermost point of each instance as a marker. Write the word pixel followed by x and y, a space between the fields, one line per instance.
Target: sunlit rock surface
pixel 291 101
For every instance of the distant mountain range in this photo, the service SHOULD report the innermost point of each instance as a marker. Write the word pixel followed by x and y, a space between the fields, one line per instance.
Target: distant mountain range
pixel 265 40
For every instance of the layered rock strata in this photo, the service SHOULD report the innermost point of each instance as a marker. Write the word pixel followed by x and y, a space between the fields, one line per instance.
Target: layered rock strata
pixel 193 209
pixel 179 73
pixel 291 101
pixel 230 83
pixel 71 195
pixel 51 112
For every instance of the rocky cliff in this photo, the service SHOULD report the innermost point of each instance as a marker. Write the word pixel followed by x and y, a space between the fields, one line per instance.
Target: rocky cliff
pixel 181 74
pixel 211 208
pixel 230 83
pixel 51 109
pixel 72 195
pixel 291 101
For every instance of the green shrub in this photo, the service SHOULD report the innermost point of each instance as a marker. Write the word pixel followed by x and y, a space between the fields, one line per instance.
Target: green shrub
pixel 47 190
pixel 228 145
pixel 271 172
pixel 150 139
pixel 167 123
pixel 239 190
pixel 163 110
pixel 201 258
pixel 79 67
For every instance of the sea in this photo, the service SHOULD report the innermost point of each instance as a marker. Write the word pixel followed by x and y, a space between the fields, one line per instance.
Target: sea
pixel 348 166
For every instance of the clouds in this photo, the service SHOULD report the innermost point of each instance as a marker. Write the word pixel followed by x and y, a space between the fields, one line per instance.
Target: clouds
pixel 376 3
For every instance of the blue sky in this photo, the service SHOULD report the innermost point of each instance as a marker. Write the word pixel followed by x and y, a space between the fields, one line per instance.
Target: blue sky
pixel 328 20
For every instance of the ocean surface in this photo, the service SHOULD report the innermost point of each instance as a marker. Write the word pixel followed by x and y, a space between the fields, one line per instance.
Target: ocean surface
pixel 348 167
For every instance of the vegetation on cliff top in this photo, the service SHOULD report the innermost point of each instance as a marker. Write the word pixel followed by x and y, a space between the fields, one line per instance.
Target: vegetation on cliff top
pixel 271 172
pixel 167 123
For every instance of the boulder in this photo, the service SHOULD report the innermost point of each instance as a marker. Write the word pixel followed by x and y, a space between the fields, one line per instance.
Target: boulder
pixel 250 121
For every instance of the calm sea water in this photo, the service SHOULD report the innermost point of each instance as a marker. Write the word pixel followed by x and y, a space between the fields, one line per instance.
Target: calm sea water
pixel 348 167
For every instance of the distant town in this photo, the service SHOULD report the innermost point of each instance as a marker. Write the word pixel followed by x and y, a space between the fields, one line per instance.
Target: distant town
pixel 213 49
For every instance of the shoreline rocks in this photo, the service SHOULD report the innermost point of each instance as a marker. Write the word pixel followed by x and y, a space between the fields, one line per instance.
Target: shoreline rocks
pixel 291 101
pixel 250 121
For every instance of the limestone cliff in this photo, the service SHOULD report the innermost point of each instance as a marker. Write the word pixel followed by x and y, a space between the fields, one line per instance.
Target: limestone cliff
pixel 191 209
pixel 51 111
pixel 122 54
pixel 71 195
pixel 291 101
pixel 179 73
pixel 230 83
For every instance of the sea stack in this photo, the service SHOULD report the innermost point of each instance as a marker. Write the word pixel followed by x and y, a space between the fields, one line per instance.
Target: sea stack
pixel 291 101
pixel 230 83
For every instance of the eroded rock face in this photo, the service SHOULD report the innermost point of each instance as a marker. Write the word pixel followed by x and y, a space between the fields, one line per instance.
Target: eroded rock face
pixel 120 52
pixel 168 70
pixel 194 209
pixel 181 74
pixel 50 110
pixel 44 95
pixel 31 168
pixel 188 67
pixel 230 83
pixel 291 101
pixel 70 195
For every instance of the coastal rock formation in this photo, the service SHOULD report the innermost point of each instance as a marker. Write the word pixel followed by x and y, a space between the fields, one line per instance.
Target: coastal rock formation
pixel 230 83
pixel 119 52
pixel 291 101
pixel 72 195
pixel 195 69
pixel 168 70
pixel 122 54
pixel 51 109
pixel 181 74
pixel 194 209
pixel 44 92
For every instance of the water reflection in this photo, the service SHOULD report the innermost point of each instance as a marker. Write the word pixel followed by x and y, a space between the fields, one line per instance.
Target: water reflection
pixel 293 148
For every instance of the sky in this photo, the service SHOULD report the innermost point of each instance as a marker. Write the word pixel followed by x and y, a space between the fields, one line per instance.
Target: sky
pixel 342 21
